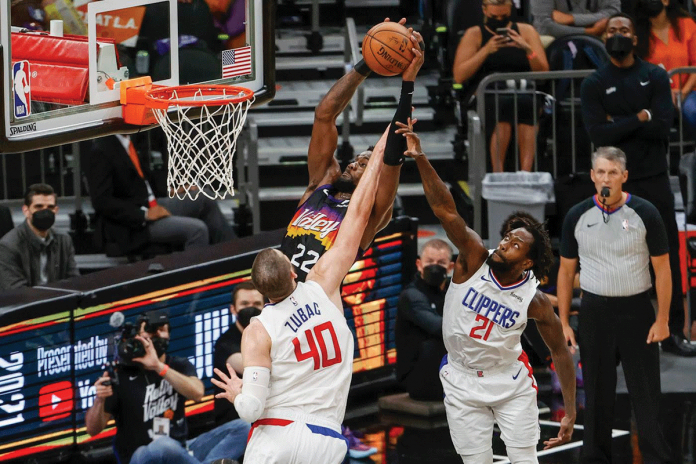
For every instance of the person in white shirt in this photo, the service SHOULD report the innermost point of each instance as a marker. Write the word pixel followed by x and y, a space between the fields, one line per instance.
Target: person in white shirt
pixel 486 375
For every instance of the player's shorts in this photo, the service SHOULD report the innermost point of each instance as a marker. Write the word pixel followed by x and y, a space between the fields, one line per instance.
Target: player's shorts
pixel 474 400
pixel 295 439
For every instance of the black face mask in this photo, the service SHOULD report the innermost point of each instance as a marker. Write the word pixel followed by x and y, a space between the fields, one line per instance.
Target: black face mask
pixel 494 24
pixel 43 219
pixel 434 275
pixel 245 314
pixel 619 46
pixel 160 344
pixel 651 8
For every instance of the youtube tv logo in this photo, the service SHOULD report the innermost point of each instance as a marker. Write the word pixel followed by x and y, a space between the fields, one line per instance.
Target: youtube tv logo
pixel 55 401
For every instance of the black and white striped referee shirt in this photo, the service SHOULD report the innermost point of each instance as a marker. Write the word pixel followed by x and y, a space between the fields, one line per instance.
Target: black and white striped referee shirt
pixel 614 255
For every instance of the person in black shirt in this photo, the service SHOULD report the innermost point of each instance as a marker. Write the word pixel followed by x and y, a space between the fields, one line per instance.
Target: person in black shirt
pixel 147 400
pixel 627 104
pixel 247 302
pixel 419 345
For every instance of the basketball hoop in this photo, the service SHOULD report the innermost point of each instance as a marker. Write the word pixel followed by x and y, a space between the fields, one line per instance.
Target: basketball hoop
pixel 201 149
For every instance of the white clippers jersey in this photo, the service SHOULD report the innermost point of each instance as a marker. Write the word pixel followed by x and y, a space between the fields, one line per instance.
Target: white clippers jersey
pixel 311 354
pixel 483 320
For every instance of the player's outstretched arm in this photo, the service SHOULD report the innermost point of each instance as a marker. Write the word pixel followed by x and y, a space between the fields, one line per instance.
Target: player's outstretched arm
pixel 395 147
pixel 333 266
pixel 249 395
pixel 551 331
pixel 321 163
pixel 470 246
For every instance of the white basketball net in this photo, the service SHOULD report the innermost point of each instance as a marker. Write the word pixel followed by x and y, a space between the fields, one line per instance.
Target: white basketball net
pixel 201 151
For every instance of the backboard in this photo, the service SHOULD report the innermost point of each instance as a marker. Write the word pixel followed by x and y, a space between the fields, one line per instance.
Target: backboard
pixel 61 61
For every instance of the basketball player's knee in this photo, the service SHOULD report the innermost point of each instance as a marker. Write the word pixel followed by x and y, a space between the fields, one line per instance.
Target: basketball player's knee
pixel 527 455
pixel 485 457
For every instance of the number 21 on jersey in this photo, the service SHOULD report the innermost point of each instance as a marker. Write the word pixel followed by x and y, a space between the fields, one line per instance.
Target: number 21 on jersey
pixel 482 324
pixel 315 337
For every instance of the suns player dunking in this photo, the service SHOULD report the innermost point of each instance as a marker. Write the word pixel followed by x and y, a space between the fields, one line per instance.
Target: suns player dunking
pixel 486 376
pixel 298 354
pixel 322 208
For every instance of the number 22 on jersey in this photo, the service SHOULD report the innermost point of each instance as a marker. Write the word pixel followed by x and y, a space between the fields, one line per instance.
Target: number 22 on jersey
pixel 306 264
pixel 321 355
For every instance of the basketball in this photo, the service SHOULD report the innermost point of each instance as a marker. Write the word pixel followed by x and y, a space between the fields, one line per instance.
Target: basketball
pixel 386 49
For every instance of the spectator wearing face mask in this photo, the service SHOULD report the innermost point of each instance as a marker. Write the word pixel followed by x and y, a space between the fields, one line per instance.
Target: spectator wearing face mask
pixel 419 344
pixel 34 253
pixel 247 302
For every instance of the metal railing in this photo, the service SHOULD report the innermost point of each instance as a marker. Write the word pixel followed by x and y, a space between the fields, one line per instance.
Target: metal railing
pixel 351 55
pixel 477 122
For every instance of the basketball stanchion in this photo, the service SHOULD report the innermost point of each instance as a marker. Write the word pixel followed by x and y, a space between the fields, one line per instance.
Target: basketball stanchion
pixel 201 130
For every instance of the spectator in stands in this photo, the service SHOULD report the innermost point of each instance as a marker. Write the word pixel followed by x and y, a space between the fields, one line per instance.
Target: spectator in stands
pixel 628 104
pixel 613 236
pixel 34 253
pixel 500 45
pixel 129 212
pixel 667 38
pixel 247 302
pixel 419 345
pixel 556 18
pixel 148 400
pixel 230 19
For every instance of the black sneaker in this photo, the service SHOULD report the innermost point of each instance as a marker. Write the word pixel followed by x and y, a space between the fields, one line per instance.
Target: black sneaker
pixel 678 345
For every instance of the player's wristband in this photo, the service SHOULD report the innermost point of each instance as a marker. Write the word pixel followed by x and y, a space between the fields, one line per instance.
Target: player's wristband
pixel 164 370
pixel 362 68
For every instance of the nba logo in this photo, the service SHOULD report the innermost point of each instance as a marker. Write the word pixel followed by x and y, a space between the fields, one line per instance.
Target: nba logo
pixel 294 301
pixel 22 90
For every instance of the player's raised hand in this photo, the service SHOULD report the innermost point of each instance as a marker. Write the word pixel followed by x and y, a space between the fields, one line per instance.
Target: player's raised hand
pixel 231 386
pixel 418 57
pixel 413 146
pixel 402 21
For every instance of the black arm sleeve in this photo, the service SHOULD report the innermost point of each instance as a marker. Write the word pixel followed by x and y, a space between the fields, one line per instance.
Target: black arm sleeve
pixel 396 144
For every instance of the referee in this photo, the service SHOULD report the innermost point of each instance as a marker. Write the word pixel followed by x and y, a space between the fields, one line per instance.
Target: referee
pixel 615 236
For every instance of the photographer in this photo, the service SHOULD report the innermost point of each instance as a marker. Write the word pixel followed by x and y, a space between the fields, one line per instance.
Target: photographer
pixel 147 399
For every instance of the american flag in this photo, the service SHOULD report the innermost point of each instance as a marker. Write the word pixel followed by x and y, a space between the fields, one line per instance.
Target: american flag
pixel 236 62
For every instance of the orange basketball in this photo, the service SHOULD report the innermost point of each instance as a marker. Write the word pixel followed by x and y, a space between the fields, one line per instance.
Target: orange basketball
pixel 386 49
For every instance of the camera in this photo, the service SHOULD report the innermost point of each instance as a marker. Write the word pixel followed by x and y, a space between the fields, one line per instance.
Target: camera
pixel 128 346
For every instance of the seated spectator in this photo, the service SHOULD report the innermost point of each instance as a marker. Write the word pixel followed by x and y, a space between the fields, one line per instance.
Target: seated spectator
pixel 419 344
pixel 500 45
pixel 34 253
pixel 247 302
pixel 667 38
pixel 145 432
pixel 129 213
pixel 556 18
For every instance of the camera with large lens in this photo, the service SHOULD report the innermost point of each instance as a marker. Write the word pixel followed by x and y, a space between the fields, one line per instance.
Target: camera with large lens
pixel 128 346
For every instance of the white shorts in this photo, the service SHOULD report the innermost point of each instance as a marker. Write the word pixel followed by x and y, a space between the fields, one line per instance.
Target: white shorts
pixel 474 400
pixel 295 440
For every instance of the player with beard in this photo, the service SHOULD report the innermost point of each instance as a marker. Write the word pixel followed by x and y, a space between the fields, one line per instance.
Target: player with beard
pixel 323 206
pixel 486 375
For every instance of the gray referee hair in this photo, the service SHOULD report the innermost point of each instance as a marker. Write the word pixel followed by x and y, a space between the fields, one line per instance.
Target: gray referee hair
pixel 610 154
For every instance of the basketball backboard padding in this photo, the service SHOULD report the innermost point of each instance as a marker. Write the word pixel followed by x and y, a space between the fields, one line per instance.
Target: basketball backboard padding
pixel 56 120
